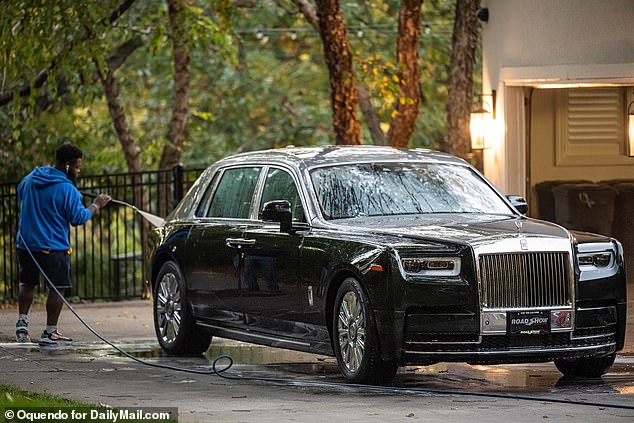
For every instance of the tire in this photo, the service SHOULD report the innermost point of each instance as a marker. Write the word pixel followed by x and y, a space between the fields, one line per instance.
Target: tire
pixel 586 367
pixel 174 324
pixel 355 338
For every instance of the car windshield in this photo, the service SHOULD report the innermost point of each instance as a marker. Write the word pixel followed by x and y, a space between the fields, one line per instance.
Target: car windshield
pixel 387 189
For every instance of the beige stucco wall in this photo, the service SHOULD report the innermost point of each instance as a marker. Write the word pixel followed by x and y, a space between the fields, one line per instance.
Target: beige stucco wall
pixel 527 33
pixel 547 43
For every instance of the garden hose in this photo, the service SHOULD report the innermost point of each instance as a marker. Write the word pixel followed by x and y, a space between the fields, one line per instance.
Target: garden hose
pixel 221 372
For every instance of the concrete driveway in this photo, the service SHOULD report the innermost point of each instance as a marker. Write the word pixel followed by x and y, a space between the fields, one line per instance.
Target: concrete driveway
pixel 313 390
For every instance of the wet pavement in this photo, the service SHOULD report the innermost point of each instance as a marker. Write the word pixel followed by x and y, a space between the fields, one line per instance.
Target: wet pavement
pixel 276 385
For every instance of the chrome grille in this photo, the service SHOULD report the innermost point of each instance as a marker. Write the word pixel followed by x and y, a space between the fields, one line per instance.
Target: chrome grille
pixel 523 280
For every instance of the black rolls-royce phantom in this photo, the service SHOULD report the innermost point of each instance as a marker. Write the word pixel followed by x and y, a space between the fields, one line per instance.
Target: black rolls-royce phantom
pixel 381 257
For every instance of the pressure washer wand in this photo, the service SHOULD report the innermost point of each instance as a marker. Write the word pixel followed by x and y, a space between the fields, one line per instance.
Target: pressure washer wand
pixel 153 219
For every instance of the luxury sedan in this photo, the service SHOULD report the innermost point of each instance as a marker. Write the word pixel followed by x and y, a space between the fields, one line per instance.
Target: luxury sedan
pixel 381 257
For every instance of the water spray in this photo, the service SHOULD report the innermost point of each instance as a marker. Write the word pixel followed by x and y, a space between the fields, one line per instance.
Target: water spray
pixel 156 221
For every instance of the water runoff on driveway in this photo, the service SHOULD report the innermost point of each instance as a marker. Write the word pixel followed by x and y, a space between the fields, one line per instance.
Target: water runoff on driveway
pixel 256 361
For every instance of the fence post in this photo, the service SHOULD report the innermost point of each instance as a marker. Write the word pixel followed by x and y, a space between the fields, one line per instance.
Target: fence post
pixel 178 183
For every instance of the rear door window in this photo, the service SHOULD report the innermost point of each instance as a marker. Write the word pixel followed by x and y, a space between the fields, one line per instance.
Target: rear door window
pixel 234 194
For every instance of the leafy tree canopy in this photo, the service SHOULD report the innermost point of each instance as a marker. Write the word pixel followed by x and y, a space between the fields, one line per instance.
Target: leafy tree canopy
pixel 258 77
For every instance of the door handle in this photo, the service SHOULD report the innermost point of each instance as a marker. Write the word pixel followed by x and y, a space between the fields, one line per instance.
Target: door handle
pixel 239 242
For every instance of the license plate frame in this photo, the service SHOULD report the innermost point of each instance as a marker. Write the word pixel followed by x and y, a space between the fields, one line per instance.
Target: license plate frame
pixel 529 322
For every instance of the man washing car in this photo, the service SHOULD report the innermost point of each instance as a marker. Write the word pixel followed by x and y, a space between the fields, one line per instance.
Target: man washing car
pixel 49 203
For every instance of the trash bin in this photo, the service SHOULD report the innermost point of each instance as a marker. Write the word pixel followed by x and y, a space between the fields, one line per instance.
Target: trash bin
pixel 623 225
pixel 585 207
pixel 612 182
pixel 546 199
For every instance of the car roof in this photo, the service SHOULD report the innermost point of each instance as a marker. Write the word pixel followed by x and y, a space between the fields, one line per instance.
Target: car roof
pixel 337 154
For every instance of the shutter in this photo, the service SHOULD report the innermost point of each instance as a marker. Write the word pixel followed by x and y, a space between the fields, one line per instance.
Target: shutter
pixel 590 126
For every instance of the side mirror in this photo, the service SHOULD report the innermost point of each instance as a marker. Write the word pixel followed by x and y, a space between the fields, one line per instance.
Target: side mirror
pixel 518 202
pixel 278 211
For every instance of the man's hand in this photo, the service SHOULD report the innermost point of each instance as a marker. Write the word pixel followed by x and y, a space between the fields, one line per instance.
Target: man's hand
pixel 100 201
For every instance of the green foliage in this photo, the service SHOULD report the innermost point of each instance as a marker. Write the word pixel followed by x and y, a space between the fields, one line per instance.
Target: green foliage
pixel 258 77
pixel 13 397
pixel 36 402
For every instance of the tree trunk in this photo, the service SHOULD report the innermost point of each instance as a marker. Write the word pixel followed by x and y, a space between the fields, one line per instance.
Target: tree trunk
pixel 369 113
pixel 343 92
pixel 120 122
pixel 460 86
pixel 130 150
pixel 365 102
pixel 180 109
pixel 403 123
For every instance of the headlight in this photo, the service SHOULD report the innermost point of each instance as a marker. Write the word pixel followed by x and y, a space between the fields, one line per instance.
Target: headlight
pixel 596 260
pixel 431 266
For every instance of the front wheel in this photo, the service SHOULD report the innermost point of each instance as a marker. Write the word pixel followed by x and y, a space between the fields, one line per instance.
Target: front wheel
pixel 355 338
pixel 585 367
pixel 174 324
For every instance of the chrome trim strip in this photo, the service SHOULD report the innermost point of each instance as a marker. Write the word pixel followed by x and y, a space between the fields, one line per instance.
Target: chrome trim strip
pixel 253 335
pixel 514 351
pixel 596 327
pixel 479 341
pixel 511 309
pixel 596 308
pixel 605 335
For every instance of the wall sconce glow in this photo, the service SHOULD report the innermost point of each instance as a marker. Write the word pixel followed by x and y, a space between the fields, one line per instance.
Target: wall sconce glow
pixel 630 128
pixel 482 124
pixel 478 128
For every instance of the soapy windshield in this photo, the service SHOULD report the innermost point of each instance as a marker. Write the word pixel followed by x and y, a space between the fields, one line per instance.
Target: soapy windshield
pixel 387 189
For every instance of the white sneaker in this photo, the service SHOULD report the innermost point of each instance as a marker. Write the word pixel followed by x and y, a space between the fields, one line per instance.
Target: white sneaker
pixel 22 331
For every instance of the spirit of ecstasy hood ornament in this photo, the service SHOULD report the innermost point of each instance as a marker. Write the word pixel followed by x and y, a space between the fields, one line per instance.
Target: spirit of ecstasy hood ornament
pixel 523 241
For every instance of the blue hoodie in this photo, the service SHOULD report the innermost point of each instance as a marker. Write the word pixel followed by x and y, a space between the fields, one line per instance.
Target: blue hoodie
pixel 49 202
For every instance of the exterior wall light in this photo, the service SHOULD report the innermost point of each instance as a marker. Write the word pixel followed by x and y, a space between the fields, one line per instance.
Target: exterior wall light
pixel 482 122
pixel 630 128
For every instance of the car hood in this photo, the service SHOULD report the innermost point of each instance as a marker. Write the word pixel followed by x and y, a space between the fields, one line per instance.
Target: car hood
pixel 455 228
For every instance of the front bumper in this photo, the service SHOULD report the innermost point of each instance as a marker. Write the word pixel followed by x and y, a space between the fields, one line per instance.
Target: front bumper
pixel 597 333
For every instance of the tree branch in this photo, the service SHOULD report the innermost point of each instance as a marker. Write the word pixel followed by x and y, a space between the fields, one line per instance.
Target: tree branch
pixel 309 13
pixel 120 55
pixel 24 89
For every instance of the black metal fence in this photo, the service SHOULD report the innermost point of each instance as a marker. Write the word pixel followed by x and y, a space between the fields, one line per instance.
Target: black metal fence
pixel 107 251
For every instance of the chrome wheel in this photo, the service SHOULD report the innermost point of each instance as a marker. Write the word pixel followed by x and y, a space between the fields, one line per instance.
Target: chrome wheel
pixel 355 339
pixel 168 308
pixel 174 323
pixel 351 327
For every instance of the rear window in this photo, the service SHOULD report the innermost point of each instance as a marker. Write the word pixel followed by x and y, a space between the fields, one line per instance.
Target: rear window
pixel 234 194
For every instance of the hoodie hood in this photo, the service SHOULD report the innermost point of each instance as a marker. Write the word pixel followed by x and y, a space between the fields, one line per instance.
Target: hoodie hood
pixel 47 175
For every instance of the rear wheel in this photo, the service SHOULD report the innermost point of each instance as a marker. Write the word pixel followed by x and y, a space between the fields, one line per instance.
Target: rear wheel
pixel 174 324
pixel 585 367
pixel 355 338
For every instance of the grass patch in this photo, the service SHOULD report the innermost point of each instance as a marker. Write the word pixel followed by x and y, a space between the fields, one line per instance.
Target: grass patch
pixel 15 398
pixel 12 397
